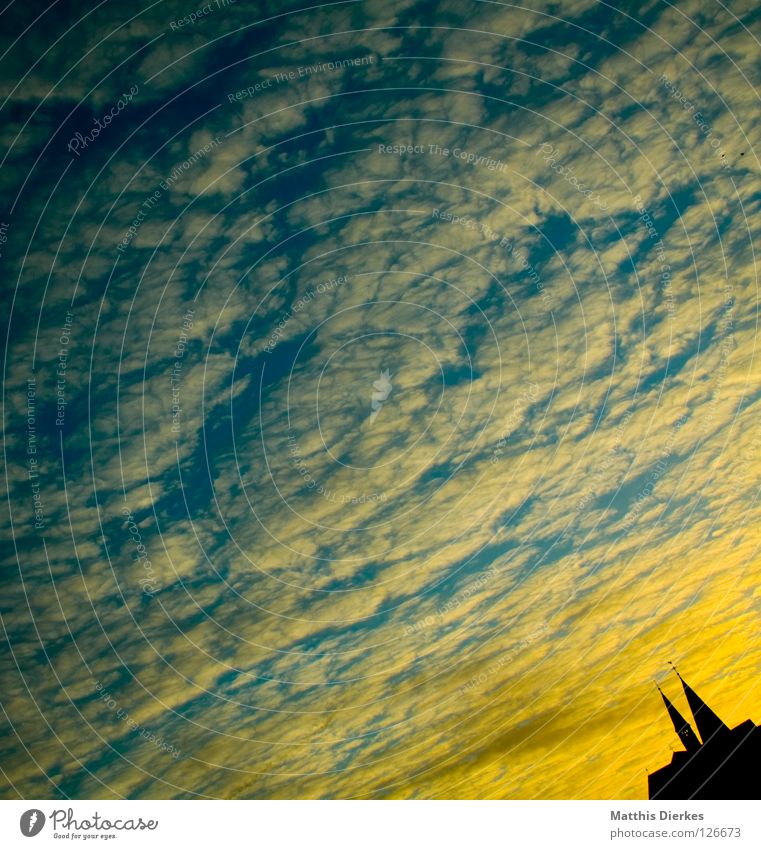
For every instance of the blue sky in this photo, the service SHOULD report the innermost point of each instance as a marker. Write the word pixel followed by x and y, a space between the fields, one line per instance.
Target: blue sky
pixel 241 568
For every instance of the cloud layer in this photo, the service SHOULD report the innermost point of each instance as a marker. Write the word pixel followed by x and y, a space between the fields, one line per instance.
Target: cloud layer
pixel 381 399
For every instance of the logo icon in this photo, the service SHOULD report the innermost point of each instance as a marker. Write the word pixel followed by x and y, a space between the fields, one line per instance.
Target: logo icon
pixel 31 822
pixel 381 390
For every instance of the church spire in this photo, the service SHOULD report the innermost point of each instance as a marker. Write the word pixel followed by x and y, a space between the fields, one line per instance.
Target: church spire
pixel 708 724
pixel 681 726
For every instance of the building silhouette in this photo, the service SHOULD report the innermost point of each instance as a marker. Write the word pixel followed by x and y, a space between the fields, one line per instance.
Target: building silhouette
pixel 720 763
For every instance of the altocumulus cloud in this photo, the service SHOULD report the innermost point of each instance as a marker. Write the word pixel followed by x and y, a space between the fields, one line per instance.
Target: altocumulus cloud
pixel 393 607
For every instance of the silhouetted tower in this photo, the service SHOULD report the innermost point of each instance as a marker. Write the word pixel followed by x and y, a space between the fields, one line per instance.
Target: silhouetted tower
pixel 722 764
pixel 681 726
pixel 708 724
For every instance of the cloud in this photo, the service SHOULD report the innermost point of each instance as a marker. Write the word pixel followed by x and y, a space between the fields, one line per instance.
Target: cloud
pixel 471 595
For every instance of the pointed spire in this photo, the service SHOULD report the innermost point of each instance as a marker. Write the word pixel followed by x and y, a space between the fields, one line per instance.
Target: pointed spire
pixel 708 724
pixel 681 726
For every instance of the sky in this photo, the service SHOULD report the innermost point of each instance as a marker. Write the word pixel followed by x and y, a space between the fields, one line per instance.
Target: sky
pixel 380 394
